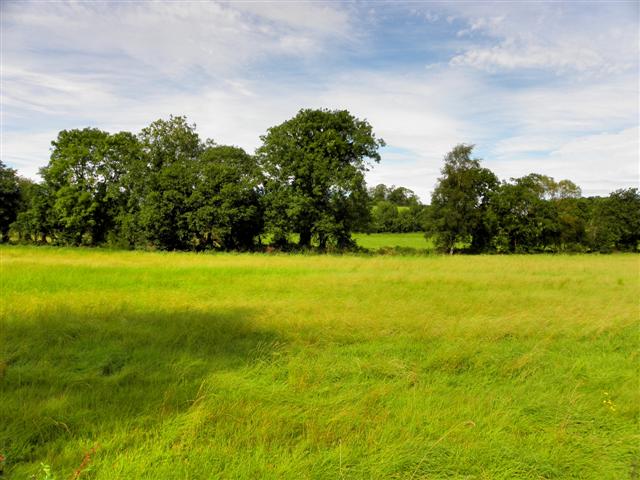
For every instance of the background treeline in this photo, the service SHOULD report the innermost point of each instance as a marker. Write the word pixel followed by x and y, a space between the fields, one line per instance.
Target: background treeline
pixel 165 188
pixel 472 210
pixel 396 210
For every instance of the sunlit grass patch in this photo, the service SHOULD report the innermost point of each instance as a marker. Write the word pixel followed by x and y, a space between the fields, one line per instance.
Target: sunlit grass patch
pixel 290 366
pixel 375 241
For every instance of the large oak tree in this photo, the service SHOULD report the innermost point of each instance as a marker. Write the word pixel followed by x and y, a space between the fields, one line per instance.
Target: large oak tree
pixel 314 166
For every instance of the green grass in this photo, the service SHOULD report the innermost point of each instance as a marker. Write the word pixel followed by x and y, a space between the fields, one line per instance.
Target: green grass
pixel 187 366
pixel 375 241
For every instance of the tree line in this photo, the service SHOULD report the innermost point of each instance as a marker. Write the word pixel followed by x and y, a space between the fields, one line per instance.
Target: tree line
pixel 166 188
pixel 472 210
pixel 396 210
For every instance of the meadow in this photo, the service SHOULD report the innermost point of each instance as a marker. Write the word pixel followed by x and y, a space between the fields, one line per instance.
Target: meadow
pixel 415 241
pixel 138 365
pixel 375 241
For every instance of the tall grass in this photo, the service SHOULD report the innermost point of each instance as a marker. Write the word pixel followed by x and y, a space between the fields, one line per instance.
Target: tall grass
pixel 179 366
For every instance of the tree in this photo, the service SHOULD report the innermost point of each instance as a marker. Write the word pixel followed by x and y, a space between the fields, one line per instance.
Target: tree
pixel 409 219
pixel 9 199
pixel 75 177
pixel 384 216
pixel 524 220
pixel 546 188
pixel 162 183
pixel 124 156
pixel 379 193
pixel 27 189
pixel 566 189
pixel 224 209
pixel 459 201
pixel 314 167
pixel 36 221
pixel 395 209
pixel 83 178
pixel 573 216
pixel 615 221
pixel 402 196
pixel 535 212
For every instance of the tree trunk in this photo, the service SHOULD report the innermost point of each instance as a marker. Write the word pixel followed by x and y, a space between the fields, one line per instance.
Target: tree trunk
pixel 322 242
pixel 305 238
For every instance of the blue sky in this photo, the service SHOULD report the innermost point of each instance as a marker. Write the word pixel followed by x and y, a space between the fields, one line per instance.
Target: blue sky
pixel 538 87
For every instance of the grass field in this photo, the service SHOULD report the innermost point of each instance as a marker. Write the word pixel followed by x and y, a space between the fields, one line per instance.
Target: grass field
pixel 374 241
pixel 187 366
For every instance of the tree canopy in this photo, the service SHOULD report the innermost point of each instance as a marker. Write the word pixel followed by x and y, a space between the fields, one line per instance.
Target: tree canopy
pixel 314 167
pixel 166 188
pixel 9 199
pixel 460 199
pixel 83 179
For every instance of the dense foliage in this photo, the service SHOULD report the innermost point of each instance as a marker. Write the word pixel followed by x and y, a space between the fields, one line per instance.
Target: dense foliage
pixel 396 210
pixel 165 188
pixel 459 201
pixel 470 210
pixel 9 199
pixel 314 167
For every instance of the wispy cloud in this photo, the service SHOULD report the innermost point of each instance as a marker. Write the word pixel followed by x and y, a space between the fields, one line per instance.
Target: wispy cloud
pixel 171 37
pixel 551 88
pixel 589 38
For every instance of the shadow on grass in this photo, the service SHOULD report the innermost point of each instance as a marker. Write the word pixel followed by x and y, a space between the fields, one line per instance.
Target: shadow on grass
pixel 74 376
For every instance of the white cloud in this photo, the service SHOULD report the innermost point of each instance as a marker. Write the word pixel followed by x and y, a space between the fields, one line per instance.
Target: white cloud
pixel 121 66
pixel 302 16
pixel 511 55
pixel 598 163
pixel 172 37
pixel 591 39
pixel 416 113
pixel 51 93
pixel 601 162
pixel 26 151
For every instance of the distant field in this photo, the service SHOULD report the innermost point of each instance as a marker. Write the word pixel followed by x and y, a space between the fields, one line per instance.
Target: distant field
pixel 176 366
pixel 374 241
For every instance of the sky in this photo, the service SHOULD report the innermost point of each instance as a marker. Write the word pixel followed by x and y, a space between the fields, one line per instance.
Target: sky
pixel 551 88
